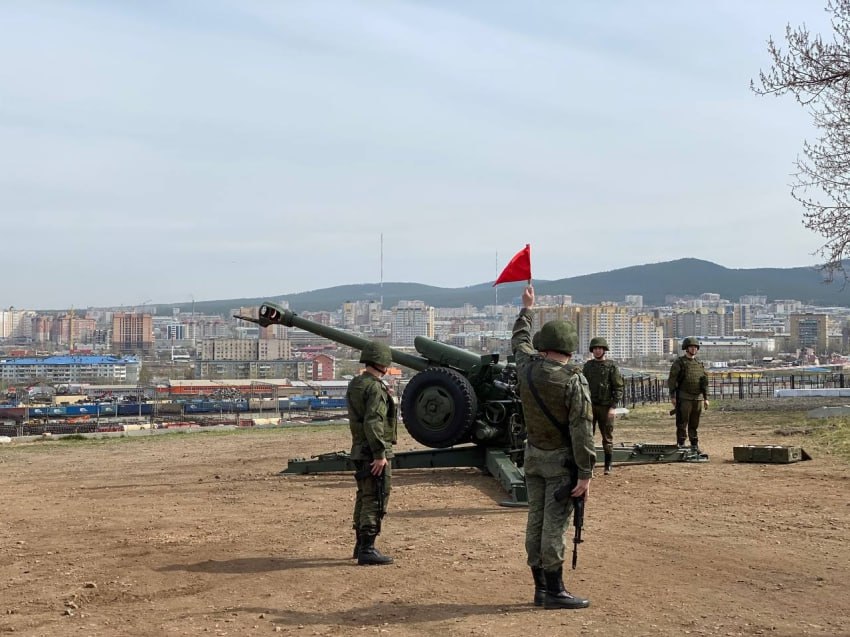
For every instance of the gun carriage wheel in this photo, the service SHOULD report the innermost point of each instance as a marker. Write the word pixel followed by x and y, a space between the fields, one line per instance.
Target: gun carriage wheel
pixel 439 407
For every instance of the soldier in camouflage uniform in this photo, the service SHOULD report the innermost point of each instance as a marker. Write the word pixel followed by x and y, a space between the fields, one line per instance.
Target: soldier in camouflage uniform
pixel 688 384
pixel 556 406
pixel 606 390
pixel 372 419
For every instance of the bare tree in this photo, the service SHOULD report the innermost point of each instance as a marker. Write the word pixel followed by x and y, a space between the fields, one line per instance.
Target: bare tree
pixel 817 73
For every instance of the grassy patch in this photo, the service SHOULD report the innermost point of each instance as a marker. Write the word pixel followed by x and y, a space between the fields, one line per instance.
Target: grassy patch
pixel 764 425
pixel 148 438
pixel 833 435
pixel 73 438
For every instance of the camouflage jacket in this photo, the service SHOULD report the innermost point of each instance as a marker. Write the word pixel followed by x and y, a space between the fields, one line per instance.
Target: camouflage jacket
pixel 688 379
pixel 605 381
pixel 563 389
pixel 371 417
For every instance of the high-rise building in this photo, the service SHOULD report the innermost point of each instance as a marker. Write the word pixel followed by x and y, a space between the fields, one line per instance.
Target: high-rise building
pixel 647 337
pixel 629 336
pixel 349 314
pixel 753 299
pixel 72 330
pixel 16 323
pixel 742 316
pixel 808 331
pixel 411 319
pixel 132 332
pixel 611 322
pixel 701 322
pixel 175 331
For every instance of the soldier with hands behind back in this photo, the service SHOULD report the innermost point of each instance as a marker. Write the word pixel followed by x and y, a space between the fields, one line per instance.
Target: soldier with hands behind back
pixel 606 390
pixel 688 385
pixel 372 419
pixel 556 407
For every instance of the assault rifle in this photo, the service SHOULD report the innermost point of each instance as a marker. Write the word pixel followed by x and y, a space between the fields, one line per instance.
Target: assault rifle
pixel 578 523
pixel 561 495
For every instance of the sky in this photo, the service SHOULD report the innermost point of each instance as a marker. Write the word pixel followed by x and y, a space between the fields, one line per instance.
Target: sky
pixel 165 151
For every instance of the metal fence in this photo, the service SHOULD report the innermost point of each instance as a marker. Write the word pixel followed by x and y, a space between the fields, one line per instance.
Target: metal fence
pixel 757 385
pixel 732 385
pixel 639 390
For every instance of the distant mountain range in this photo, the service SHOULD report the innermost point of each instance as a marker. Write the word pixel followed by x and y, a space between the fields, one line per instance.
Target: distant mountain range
pixel 653 281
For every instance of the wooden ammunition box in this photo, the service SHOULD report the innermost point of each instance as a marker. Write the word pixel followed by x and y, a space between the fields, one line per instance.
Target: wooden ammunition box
pixel 772 454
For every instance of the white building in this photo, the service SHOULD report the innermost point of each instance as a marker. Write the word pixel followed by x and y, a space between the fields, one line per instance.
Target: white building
pixel 409 320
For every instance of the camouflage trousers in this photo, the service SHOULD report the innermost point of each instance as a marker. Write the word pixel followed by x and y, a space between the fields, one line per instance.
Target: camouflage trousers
pixel 547 518
pixel 687 420
pixel 366 505
pixel 606 426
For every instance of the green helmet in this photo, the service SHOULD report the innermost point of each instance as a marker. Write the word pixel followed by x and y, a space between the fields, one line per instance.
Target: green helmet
pixel 377 354
pixel 558 335
pixel 598 341
pixel 690 340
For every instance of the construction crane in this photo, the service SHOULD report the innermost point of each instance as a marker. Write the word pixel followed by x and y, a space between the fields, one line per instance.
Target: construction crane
pixel 71 331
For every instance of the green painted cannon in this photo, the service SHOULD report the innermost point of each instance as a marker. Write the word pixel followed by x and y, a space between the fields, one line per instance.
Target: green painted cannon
pixel 455 398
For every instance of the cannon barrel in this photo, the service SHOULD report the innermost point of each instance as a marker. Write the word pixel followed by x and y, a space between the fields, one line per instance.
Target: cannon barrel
pixel 451 356
pixel 272 314
pixel 456 397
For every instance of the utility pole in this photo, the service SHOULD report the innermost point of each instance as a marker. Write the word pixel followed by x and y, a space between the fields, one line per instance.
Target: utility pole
pixel 194 330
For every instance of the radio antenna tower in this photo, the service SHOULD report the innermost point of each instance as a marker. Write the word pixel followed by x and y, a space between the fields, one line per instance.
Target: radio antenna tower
pixel 496 287
pixel 381 285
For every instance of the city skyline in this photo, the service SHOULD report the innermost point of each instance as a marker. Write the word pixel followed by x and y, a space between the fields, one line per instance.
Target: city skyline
pixel 683 278
pixel 163 152
pixel 225 349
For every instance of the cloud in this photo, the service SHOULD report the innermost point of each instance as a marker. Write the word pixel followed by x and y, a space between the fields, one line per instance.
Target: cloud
pixel 258 147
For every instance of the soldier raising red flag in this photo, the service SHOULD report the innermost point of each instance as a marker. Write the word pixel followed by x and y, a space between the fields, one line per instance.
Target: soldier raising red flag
pixel 518 268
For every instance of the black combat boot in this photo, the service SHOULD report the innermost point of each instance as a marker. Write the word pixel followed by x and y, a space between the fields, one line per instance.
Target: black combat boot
pixel 608 456
pixel 368 554
pixel 681 443
pixel 695 446
pixel 539 585
pixel 557 596
pixel 356 553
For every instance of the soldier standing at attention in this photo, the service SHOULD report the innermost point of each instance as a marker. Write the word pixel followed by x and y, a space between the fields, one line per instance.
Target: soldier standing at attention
pixel 688 384
pixel 372 418
pixel 556 406
pixel 606 390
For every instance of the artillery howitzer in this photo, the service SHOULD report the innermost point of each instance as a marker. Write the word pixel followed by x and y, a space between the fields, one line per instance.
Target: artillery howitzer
pixel 456 397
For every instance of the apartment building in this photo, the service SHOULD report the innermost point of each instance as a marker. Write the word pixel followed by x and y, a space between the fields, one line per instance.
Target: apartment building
pixel 699 322
pixel 647 337
pixel 16 323
pixel 254 369
pixel 132 332
pixel 233 349
pixel 808 331
pixel 70 369
pixel 628 335
pixel 409 320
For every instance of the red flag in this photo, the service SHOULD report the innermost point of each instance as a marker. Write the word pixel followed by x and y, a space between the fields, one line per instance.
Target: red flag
pixel 518 268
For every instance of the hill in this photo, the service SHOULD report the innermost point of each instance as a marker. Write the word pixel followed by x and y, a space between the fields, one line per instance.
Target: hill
pixel 653 281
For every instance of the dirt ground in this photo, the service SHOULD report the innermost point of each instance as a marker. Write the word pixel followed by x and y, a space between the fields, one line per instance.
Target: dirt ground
pixel 198 534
